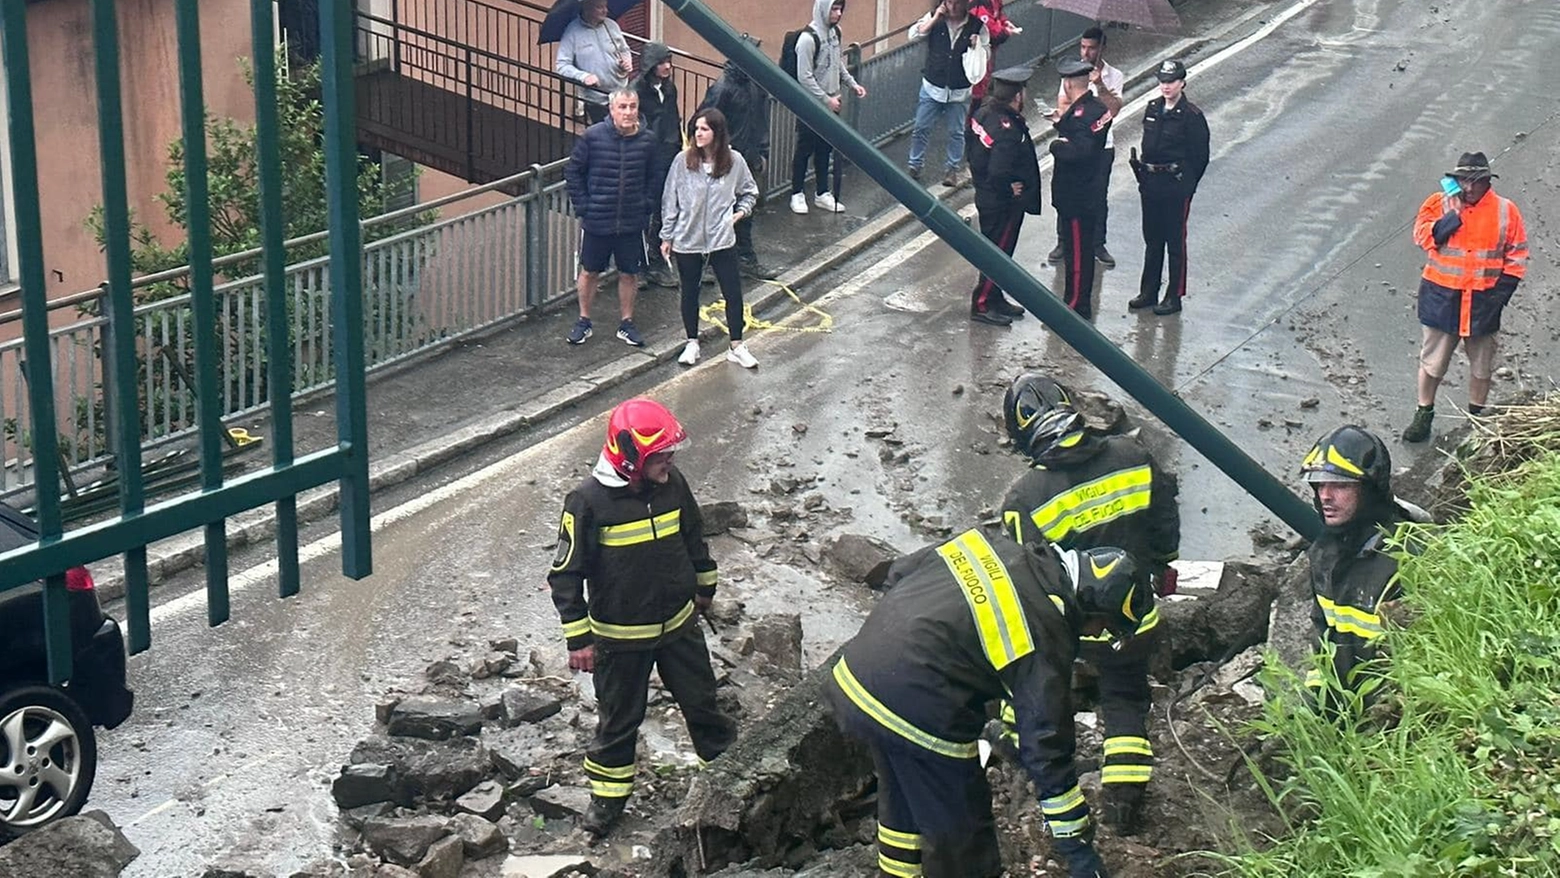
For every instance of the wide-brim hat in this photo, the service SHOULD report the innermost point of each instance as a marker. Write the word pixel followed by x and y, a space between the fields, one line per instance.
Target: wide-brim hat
pixel 1472 166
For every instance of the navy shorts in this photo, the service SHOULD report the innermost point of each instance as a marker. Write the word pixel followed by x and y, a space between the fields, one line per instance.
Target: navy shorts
pixel 627 251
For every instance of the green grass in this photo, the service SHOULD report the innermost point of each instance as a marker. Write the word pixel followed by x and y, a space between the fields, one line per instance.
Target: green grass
pixel 1466 781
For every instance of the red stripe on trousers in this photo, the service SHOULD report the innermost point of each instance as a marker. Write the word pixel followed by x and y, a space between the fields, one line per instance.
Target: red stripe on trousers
pixel 983 293
pixel 1075 241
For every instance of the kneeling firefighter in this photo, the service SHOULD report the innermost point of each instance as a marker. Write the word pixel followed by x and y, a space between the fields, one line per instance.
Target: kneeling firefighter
pixel 965 623
pixel 1086 489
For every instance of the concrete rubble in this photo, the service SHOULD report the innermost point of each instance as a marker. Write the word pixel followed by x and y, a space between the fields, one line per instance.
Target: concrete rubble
pixel 85 846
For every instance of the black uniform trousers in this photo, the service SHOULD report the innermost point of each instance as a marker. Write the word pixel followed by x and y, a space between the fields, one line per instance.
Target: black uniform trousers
pixel 810 146
pixel 1078 263
pixel 622 679
pixel 934 812
pixel 1124 705
pixel 1101 204
pixel 1000 220
pixel 1166 207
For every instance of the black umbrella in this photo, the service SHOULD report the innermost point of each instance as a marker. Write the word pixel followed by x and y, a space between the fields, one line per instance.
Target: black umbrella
pixel 565 11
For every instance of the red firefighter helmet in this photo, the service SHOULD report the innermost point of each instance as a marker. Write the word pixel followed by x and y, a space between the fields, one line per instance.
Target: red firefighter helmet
pixel 638 428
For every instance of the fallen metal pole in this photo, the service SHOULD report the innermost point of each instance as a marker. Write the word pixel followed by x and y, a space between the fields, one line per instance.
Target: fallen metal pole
pixel 1013 279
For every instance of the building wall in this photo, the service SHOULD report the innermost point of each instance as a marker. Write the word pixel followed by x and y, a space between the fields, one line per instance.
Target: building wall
pixel 769 21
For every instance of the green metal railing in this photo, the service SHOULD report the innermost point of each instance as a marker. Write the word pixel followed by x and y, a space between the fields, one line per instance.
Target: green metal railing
pixel 217 498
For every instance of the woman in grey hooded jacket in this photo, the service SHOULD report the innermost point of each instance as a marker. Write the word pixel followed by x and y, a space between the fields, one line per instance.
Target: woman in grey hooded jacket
pixel 708 190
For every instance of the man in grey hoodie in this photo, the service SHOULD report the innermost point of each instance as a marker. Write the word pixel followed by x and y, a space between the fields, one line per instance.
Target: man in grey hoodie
pixel 820 68
pixel 594 54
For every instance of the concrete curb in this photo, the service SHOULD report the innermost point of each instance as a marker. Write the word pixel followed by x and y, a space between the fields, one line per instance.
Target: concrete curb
pixel 180 553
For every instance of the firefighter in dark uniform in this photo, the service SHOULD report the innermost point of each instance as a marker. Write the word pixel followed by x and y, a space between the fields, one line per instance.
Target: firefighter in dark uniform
pixel 632 531
pixel 1352 573
pixel 1006 174
pixel 1175 155
pixel 1076 179
pixel 963 624
pixel 1086 489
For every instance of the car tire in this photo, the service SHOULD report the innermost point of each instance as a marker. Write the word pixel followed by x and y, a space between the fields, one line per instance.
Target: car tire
pixel 59 777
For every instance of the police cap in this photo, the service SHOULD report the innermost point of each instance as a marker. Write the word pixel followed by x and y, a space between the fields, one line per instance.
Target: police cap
pixel 1071 67
pixel 1013 75
pixel 1170 71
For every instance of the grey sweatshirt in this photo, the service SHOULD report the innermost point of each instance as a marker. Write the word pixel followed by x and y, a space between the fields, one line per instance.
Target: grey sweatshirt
pixel 824 80
pixel 585 49
pixel 696 208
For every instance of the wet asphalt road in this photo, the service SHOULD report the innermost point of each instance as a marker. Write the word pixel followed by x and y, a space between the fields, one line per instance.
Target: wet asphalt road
pixel 1302 276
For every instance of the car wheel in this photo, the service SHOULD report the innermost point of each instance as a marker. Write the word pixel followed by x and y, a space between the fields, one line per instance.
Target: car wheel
pixel 48 758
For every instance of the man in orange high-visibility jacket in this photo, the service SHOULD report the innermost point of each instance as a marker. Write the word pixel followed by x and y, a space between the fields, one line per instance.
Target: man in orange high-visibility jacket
pixel 1477 247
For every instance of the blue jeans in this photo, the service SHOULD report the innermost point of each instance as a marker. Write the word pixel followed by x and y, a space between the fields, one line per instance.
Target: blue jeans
pixel 926 112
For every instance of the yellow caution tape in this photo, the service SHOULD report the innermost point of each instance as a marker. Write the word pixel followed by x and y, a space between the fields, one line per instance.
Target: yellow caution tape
pixel 241 436
pixel 715 313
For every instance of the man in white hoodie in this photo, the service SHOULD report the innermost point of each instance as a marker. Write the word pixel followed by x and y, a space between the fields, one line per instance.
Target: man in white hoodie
pixel 820 68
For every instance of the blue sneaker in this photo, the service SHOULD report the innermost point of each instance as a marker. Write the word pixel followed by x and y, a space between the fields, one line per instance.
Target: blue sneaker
pixel 630 334
pixel 580 332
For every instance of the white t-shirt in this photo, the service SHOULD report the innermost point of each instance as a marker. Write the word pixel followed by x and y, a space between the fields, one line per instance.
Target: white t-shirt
pixel 1114 80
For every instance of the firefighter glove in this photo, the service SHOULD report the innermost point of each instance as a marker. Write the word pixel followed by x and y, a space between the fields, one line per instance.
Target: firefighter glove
pixel 1444 227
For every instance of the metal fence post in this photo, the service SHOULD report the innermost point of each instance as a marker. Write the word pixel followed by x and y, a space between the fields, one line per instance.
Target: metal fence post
pixel 536 253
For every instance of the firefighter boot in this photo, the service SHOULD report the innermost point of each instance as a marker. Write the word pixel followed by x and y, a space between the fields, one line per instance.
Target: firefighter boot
pixel 602 814
pixel 1419 429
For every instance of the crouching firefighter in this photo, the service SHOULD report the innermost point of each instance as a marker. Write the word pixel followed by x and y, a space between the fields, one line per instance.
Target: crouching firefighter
pixel 1352 575
pixel 632 534
pixel 962 624
pixel 1087 489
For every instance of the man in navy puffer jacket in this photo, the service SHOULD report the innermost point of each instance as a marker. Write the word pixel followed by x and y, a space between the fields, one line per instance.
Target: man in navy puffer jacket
pixel 608 175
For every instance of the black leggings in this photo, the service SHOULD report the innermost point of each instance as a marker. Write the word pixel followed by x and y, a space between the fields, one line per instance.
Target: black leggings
pixel 690 268
pixel 810 145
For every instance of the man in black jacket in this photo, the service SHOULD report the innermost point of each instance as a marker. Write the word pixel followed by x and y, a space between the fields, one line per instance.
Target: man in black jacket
pixel 1350 472
pixel 1006 174
pixel 662 119
pixel 1175 156
pixel 1075 181
pixel 745 105
pixel 608 177
pixel 964 623
pixel 633 532
pixel 1086 490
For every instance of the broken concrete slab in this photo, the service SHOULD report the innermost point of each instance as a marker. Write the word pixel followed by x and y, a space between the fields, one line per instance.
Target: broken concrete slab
pixel 444 859
pixel 434 719
pixel 1291 633
pixel 777 639
pixel 85 846
pixel 426 770
pixel 404 840
pixel 559 802
pixel 363 784
pixel 858 558
pixel 529 704
pixel 480 838
pixel 1217 626
pixel 722 516
pixel 485 800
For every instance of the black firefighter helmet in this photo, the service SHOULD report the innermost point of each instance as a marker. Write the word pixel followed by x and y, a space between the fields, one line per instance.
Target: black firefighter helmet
pixel 1350 454
pixel 1110 584
pixel 1040 416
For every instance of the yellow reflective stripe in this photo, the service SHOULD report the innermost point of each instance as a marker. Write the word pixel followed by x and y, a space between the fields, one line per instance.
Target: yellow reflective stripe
pixel 1313 678
pixel 576 628
pixel 1148 624
pixel 991 596
pixel 908 841
pixel 642 531
pixel 620 773
pixel 708 577
pixel 1128 745
pixel 1063 803
pixel 1126 773
pixel 895 723
pixel 1014 522
pixel 1068 828
pixel 898 868
pixel 1350 620
pixel 565 532
pixel 608 790
pixel 1008 716
pixel 1096 502
pixel 641 632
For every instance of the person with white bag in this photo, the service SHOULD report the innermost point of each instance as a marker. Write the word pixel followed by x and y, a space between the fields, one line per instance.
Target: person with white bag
pixel 958 48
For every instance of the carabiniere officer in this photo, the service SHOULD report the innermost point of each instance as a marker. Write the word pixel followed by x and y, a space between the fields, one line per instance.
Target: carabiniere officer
pixel 1175 155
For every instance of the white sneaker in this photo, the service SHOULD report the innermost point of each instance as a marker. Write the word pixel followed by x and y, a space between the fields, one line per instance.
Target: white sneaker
pixel 690 354
pixel 799 203
pixel 739 355
pixel 826 202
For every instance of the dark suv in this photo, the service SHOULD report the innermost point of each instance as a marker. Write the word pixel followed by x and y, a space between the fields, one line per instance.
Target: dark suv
pixel 48 751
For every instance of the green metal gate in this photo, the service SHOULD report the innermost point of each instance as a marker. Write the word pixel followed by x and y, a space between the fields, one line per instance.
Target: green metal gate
pixel 217 498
